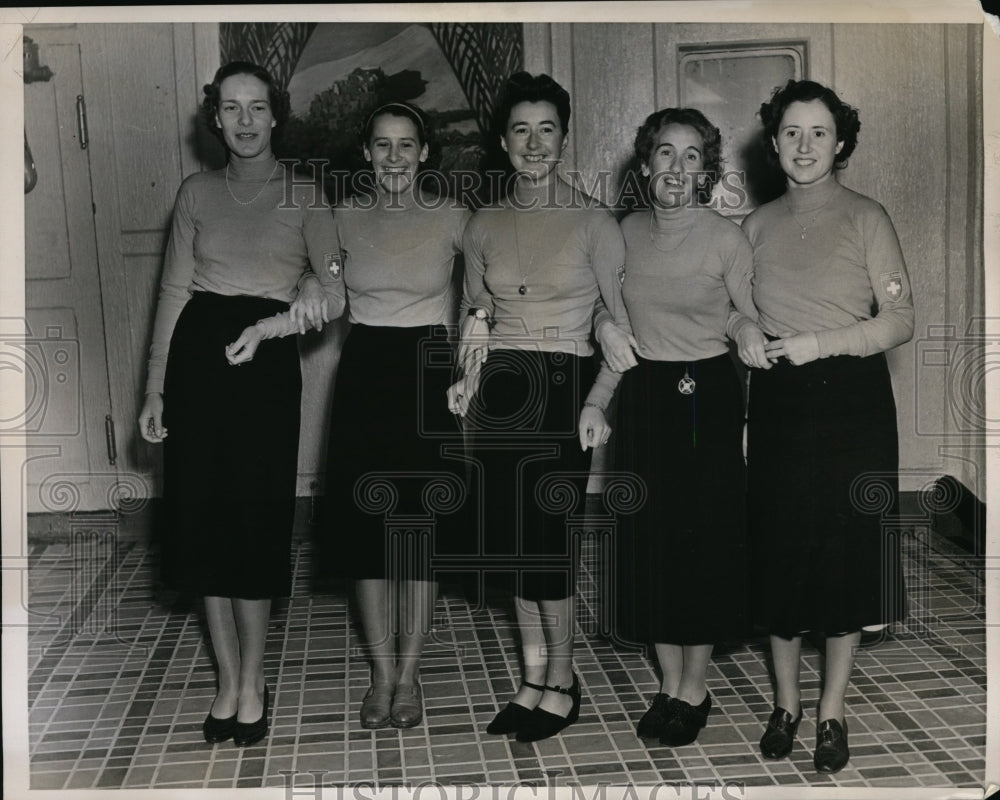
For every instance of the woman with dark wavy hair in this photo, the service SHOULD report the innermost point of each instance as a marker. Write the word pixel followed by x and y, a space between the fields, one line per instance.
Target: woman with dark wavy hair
pixel 240 242
pixel 686 288
pixel 833 295
pixel 536 264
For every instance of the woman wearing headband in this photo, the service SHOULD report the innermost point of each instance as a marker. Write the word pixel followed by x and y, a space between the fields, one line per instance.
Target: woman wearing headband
pixel 536 265
pixel 237 247
pixel 391 427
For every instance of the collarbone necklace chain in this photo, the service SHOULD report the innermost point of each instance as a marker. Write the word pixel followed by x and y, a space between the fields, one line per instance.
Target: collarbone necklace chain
pixel 259 193
pixel 653 233
pixel 812 221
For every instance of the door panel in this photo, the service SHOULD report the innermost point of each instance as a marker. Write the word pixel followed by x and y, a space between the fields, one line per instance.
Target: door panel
pixel 66 361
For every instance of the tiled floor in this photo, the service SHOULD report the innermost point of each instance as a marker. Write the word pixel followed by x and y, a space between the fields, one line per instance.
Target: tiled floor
pixel 119 686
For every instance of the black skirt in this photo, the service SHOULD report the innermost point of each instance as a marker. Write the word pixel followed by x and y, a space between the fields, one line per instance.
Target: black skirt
pixel 681 555
pixel 395 462
pixel 230 458
pixel 823 463
pixel 529 475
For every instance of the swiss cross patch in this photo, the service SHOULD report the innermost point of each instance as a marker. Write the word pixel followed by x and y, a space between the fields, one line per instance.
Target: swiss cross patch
pixel 334 264
pixel 620 272
pixel 892 284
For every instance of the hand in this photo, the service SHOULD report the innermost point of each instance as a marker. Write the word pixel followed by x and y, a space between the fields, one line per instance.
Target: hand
pixel 800 348
pixel 311 305
pixel 243 349
pixel 617 346
pixel 474 345
pixel 750 344
pixel 594 428
pixel 151 419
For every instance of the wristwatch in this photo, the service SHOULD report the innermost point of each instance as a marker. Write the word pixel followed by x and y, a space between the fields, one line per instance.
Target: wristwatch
pixel 479 313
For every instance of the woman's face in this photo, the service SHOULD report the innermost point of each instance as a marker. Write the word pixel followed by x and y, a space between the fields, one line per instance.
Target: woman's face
pixel 807 142
pixel 245 117
pixel 534 140
pixel 675 165
pixel 395 152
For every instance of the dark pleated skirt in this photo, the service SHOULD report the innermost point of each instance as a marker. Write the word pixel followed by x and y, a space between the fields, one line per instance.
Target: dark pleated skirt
pixel 529 475
pixel 823 496
pixel 681 563
pixel 395 464
pixel 230 458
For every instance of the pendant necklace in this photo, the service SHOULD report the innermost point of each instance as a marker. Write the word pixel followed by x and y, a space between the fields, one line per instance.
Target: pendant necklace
pixel 811 222
pixel 522 289
pixel 262 188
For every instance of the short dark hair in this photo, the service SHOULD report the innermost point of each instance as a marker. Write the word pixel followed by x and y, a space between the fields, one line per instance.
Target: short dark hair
pixel 845 116
pixel 523 87
pixel 711 138
pixel 276 97
pixel 405 110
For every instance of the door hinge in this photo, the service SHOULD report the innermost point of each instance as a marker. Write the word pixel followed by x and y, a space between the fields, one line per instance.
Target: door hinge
pixel 109 435
pixel 81 121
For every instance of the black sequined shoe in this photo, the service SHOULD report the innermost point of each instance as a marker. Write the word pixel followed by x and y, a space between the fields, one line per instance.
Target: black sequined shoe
pixel 831 746
pixel 248 733
pixel 684 721
pixel 542 724
pixel 217 730
pixel 652 722
pixel 779 736
pixel 512 716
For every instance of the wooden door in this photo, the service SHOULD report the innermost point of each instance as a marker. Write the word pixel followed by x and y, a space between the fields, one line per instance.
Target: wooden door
pixel 68 414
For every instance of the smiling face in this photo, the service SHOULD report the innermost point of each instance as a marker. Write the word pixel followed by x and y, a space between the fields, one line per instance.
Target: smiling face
pixel 807 143
pixel 534 141
pixel 395 152
pixel 245 117
pixel 676 161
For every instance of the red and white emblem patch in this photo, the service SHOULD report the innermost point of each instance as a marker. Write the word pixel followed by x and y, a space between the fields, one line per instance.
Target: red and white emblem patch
pixel 334 264
pixel 892 284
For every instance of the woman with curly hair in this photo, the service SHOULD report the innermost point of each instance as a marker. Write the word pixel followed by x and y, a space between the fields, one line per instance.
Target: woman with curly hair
pixel 686 288
pixel 833 294
pixel 240 242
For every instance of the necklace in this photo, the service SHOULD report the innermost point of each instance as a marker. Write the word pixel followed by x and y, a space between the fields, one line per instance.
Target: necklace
pixel 262 188
pixel 653 234
pixel 523 288
pixel 812 221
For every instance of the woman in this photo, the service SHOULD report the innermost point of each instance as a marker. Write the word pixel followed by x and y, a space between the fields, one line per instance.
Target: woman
pixel 681 420
pixel 822 419
pixel 236 251
pixel 399 245
pixel 535 266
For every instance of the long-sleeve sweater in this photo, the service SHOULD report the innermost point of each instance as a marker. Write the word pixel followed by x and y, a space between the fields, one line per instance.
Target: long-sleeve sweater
pixel 686 286
pixel 565 254
pixel 827 260
pixel 259 249
pixel 398 262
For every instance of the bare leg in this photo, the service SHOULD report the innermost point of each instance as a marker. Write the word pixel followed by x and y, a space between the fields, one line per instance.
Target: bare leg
pixel 693 687
pixel 557 626
pixel 534 655
pixel 226 646
pixel 786 654
pixel 671 660
pixel 377 603
pixel 416 618
pixel 251 625
pixel 839 661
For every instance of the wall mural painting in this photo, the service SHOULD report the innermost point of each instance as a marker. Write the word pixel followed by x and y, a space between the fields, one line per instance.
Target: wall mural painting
pixel 336 73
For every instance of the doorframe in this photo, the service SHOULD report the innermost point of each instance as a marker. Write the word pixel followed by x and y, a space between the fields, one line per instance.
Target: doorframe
pixel 196 57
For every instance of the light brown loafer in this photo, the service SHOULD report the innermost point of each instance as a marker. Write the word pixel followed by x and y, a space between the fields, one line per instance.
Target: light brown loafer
pixel 407 706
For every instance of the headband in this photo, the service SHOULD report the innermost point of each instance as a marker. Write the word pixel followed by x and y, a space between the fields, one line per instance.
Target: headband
pixel 413 113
